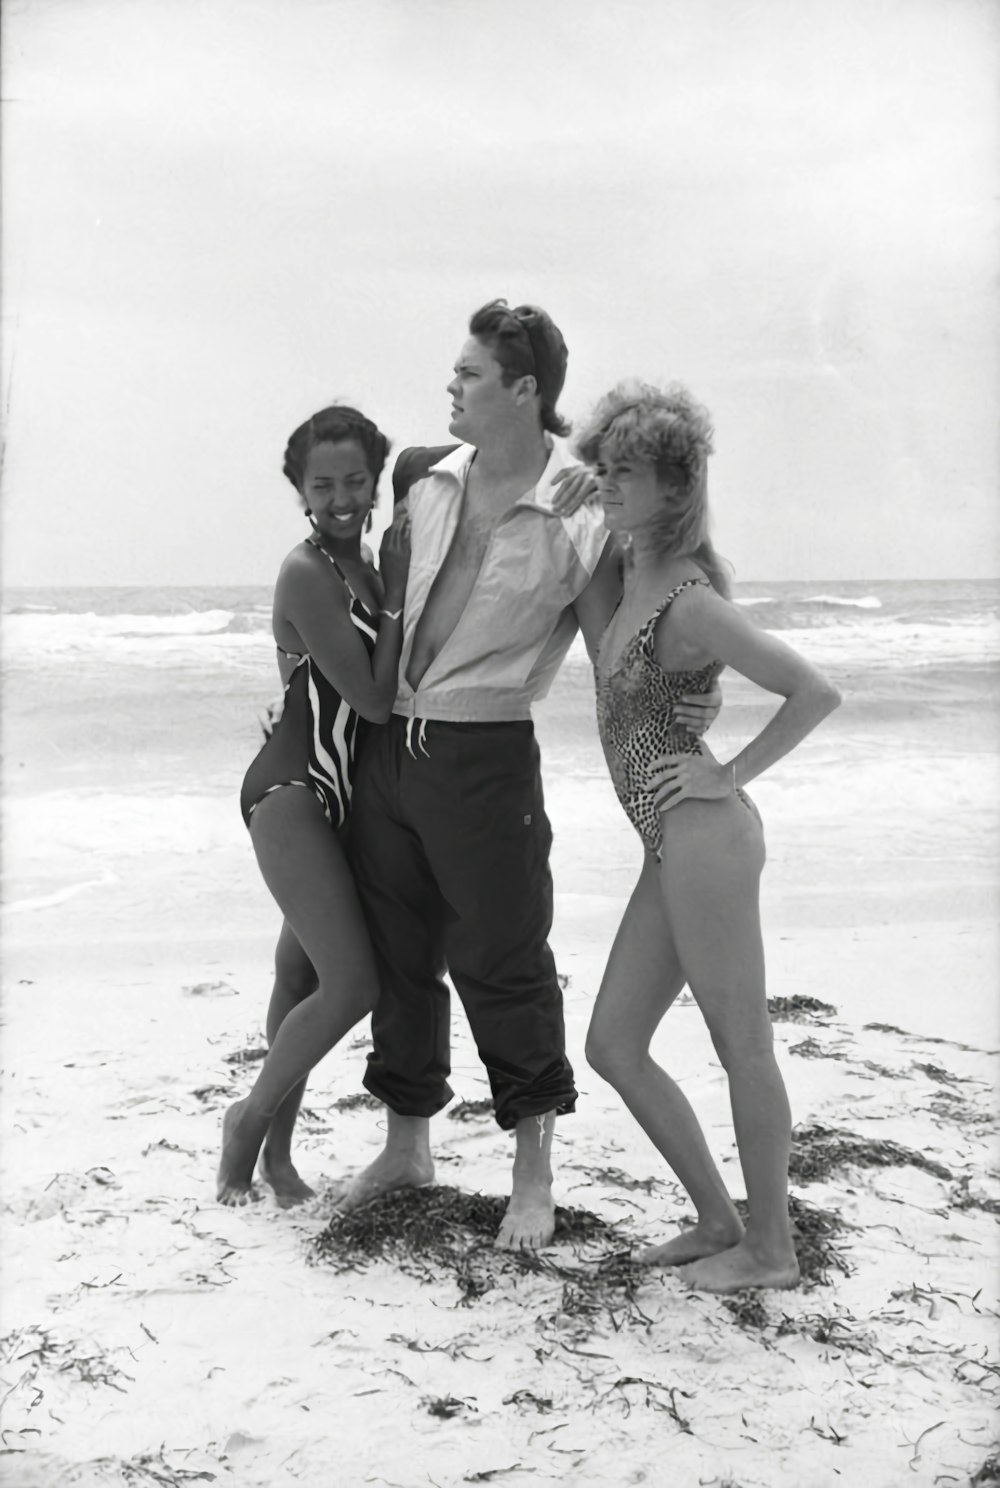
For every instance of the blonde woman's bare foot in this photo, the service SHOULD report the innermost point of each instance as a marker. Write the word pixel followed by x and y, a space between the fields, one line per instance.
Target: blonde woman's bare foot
pixel 282 1178
pixel 241 1141
pixel 389 1172
pixel 733 1270
pixel 692 1244
pixel 530 1220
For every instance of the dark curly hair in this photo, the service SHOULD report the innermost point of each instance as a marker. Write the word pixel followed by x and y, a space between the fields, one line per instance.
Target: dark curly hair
pixel 332 426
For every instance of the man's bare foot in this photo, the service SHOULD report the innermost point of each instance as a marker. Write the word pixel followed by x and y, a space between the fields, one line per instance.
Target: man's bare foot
pixel 391 1170
pixel 282 1178
pixel 530 1220
pixel 693 1244
pixel 734 1269
pixel 241 1141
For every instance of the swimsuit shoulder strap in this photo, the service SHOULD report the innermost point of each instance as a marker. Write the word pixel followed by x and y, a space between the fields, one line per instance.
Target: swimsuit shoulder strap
pixel 646 631
pixel 340 572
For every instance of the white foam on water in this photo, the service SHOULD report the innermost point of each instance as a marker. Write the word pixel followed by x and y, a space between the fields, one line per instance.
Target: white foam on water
pixel 48 901
pixel 863 602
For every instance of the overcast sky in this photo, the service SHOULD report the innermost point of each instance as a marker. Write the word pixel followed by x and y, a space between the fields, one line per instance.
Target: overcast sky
pixel 222 214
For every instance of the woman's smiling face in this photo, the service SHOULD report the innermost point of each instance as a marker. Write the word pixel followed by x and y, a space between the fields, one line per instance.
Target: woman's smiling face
pixel 338 488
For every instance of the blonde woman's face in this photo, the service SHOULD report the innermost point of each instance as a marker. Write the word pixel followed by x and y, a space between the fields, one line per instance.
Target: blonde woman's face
pixel 628 490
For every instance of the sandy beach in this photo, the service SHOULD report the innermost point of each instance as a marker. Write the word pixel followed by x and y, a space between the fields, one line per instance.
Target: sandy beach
pixel 151 1337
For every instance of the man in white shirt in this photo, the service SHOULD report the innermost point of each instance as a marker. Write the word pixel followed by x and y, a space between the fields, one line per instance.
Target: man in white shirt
pixel 449 837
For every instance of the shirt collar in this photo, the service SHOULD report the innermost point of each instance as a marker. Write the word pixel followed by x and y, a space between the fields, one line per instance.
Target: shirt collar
pixel 561 457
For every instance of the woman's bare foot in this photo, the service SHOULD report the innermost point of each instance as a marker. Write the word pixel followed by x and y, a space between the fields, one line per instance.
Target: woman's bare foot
pixel 693 1244
pixel 282 1178
pixel 740 1267
pixel 241 1141
pixel 530 1220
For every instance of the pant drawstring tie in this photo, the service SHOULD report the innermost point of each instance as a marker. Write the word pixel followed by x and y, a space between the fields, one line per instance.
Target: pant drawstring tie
pixel 421 736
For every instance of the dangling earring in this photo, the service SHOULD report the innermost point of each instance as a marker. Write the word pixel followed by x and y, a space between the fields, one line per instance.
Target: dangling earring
pixel 368 522
pixel 312 519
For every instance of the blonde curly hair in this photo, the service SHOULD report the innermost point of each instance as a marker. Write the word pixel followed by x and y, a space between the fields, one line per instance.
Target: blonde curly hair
pixel 667 428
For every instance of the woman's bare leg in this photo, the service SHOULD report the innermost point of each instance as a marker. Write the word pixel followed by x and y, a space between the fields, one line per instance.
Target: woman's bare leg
pixel 710 875
pixel 642 980
pixel 294 980
pixel 305 868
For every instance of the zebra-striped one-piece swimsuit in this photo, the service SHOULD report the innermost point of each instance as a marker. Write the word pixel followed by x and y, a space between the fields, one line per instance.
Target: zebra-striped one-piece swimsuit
pixel 312 742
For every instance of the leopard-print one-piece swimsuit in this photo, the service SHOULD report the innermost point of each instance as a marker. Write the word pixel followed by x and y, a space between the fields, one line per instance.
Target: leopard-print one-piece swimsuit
pixel 635 718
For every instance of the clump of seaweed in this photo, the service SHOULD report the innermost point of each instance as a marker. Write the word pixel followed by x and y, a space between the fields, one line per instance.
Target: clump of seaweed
pixel 212 1095
pixel 246 1056
pixel 361 1100
pixel 798 1009
pixel 41 1352
pixel 747 1310
pixel 927 1038
pixel 833 1330
pixel 811 1048
pixel 445 1406
pixel 819 1151
pixel 814 1231
pixel 464 1110
pixel 527 1400
pixel 147 1471
pixel 617 1178
pixel 656 1396
pixel 435 1231
pixel 962 1197
pixel 938 1073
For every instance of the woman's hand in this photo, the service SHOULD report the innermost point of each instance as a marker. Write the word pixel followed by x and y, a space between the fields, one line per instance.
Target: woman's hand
pixel 571 487
pixel 394 557
pixel 686 777
pixel 698 711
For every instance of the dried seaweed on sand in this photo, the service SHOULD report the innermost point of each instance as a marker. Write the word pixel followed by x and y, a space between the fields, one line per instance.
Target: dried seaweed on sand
pixel 464 1110
pixel 360 1100
pixel 814 1231
pixel 798 1009
pixel 819 1151
pixel 434 1232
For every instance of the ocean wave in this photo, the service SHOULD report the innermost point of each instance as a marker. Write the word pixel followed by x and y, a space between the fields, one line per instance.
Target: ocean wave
pixel 859 645
pixel 863 602
pixel 52 634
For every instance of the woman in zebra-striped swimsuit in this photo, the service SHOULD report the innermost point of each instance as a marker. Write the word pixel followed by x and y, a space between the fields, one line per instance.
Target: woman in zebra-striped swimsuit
pixel 337 627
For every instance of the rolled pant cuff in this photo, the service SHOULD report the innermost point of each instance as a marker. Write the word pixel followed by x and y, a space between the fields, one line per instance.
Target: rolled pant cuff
pixel 406 1103
pixel 516 1111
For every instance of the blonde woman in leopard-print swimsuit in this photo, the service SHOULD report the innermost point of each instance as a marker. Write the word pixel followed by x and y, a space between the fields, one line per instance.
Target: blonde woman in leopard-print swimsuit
pixel 693 917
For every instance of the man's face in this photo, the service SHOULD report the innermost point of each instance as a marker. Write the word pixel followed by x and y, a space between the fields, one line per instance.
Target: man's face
pixel 481 405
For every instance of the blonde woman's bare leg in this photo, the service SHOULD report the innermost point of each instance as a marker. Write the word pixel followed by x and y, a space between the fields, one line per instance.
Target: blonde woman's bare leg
pixel 712 859
pixel 642 980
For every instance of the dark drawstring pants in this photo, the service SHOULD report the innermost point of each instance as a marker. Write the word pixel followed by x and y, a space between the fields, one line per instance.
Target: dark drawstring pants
pixel 450 849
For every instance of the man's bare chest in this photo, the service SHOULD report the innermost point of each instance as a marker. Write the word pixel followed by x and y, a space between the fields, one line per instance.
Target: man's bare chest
pixel 471 540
